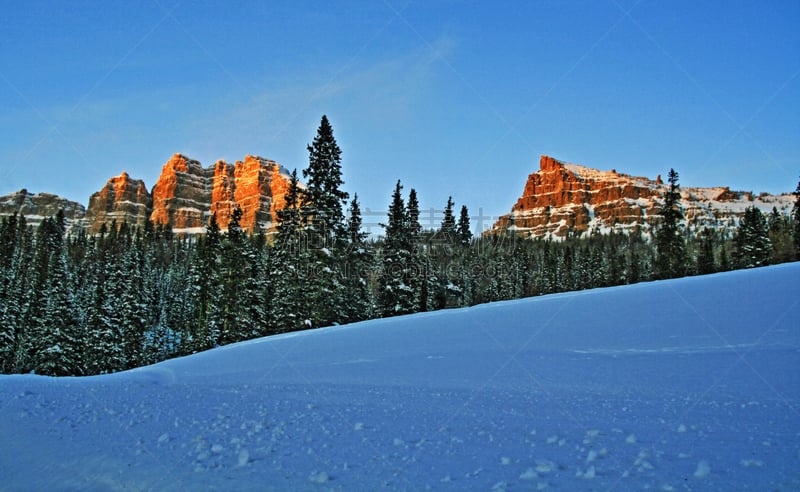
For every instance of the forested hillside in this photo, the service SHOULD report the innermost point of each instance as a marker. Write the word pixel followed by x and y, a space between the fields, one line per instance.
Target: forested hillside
pixel 125 297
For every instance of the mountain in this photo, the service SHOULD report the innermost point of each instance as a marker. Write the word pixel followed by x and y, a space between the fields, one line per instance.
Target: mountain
pixel 183 198
pixel 122 200
pixel 38 206
pixel 562 199
pixel 687 384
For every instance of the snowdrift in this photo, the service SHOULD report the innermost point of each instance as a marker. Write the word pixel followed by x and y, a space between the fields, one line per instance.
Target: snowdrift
pixel 684 384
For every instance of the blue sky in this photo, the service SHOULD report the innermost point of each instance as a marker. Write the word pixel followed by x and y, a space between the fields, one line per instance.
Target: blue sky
pixel 453 98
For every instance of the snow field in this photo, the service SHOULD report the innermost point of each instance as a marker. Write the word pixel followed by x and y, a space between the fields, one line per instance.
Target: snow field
pixel 680 385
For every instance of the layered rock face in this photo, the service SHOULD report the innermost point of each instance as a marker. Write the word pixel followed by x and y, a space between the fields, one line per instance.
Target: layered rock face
pixel 186 195
pixel 122 201
pixel 38 206
pixel 566 199
pixel 261 187
pixel 182 195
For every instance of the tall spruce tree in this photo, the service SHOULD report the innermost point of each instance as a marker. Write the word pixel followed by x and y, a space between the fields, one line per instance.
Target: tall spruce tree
pixel 323 199
pixel 14 276
pixel 753 247
pixel 234 259
pixel 205 279
pixel 412 218
pixel 796 217
pixel 396 293
pixel 780 236
pixel 56 338
pixel 448 229
pixel 463 229
pixel 671 259
pixel 705 258
pixel 257 290
pixel 357 301
pixel 288 264
pixel 133 305
pixel 419 272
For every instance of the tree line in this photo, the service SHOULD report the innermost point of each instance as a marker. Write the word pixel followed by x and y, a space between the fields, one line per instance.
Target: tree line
pixel 84 304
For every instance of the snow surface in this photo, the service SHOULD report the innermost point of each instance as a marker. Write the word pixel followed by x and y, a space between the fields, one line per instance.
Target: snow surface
pixel 689 384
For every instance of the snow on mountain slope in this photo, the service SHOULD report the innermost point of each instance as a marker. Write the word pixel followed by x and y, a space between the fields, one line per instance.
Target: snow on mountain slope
pixel 689 384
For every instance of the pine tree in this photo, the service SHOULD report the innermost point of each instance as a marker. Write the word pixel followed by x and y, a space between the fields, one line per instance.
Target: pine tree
pixel 323 199
pixel 396 294
pixel 132 307
pixel 8 240
pixel 753 247
pixel 56 339
pixel 288 262
pixel 15 317
pixel 705 259
pixel 448 229
pixel 419 277
pixel 781 237
pixel 463 229
pixel 357 302
pixel 322 204
pixel 233 270
pixel 102 351
pixel 13 271
pixel 257 292
pixel 205 281
pixel 796 217
pixel 671 259
pixel 412 218
pixel 289 221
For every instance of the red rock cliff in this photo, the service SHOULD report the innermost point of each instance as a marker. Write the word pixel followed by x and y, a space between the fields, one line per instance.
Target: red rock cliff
pixel 122 200
pixel 181 196
pixel 186 195
pixel 567 199
pixel 260 191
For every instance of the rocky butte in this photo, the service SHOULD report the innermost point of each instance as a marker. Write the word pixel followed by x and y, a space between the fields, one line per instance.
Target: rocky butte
pixel 122 200
pixel 38 206
pixel 186 194
pixel 183 199
pixel 562 199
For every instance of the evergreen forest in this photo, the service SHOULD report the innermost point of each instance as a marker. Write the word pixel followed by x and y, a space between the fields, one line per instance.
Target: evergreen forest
pixel 80 304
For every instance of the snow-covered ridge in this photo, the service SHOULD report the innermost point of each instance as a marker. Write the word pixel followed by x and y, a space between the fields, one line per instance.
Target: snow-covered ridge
pixel 683 384
pixel 563 199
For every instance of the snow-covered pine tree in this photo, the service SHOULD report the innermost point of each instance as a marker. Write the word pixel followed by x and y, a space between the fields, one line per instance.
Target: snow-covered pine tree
pixel 322 201
pixel 174 333
pixel 205 281
pixel 420 275
pixel 16 315
pixel 233 262
pixel 288 262
pixel 132 306
pixel 357 302
pixel 257 290
pixel 753 246
pixel 448 228
pixel 322 204
pixel 395 288
pixel 671 258
pixel 780 236
pixel 796 219
pixel 13 272
pixel 463 229
pixel 705 259
pixel 55 337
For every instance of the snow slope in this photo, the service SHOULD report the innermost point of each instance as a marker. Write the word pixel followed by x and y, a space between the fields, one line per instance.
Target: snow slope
pixel 689 384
